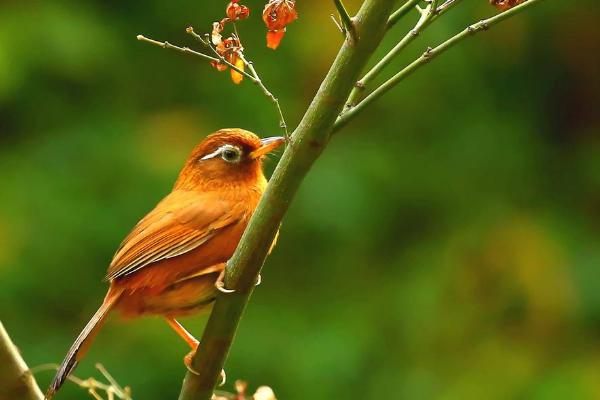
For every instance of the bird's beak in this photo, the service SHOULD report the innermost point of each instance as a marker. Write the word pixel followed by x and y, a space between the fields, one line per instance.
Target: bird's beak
pixel 267 145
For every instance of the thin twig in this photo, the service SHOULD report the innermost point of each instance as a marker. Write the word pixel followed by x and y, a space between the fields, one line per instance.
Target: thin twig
pixel 253 76
pixel 187 50
pixel 427 16
pixel 337 25
pixel 235 32
pixel 347 23
pixel 427 56
pixel 115 385
pixel 90 384
pixel 258 81
pixel 167 45
pixel 446 4
pixel 401 12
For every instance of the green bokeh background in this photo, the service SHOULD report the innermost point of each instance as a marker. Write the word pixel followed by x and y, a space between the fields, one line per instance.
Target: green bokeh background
pixel 445 246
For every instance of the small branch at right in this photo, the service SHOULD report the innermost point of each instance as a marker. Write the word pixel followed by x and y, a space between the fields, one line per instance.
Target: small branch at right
pixel 427 16
pixel 426 57
pixel 401 12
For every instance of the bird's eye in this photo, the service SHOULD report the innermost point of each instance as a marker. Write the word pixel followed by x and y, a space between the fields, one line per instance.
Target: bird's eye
pixel 231 154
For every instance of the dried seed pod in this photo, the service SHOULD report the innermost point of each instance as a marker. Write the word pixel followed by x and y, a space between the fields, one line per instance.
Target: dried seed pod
pixel 219 65
pixel 505 4
pixel 236 77
pixel 230 49
pixel 236 11
pixel 276 15
pixel 274 38
pixel 215 35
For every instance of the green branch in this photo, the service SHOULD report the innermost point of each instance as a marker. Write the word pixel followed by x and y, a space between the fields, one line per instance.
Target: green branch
pixel 16 381
pixel 308 141
pixel 426 57
pixel 428 15
pixel 401 12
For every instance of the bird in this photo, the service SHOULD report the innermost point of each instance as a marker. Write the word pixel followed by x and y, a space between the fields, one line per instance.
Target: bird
pixel 172 262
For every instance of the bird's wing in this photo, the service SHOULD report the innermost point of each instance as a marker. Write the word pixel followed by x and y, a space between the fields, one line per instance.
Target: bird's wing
pixel 181 222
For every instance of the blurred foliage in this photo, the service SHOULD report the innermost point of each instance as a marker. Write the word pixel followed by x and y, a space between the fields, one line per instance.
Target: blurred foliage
pixel 445 246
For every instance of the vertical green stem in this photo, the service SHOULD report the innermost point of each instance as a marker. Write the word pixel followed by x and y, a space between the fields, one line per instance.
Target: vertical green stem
pixel 308 141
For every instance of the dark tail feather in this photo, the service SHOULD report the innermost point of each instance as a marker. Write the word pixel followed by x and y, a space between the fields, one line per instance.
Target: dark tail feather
pixel 82 343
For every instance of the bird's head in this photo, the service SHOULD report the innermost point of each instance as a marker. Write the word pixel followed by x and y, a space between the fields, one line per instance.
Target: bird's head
pixel 227 157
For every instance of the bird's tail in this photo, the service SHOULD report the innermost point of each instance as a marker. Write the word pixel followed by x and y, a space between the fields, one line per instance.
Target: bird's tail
pixel 83 342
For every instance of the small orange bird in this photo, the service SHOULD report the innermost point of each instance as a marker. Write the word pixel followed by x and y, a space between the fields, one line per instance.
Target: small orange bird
pixel 171 261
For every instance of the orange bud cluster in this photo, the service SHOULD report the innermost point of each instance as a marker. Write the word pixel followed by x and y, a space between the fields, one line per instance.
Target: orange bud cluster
pixel 277 14
pixel 230 49
pixel 505 4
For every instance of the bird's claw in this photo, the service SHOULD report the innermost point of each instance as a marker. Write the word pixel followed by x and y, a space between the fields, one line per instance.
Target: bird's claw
pixel 187 360
pixel 223 378
pixel 220 284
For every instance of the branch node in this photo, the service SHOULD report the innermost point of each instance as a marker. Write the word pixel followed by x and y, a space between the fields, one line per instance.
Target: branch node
pixel 349 28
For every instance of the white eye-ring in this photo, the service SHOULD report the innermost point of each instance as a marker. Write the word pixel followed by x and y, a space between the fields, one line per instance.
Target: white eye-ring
pixel 228 152
pixel 231 154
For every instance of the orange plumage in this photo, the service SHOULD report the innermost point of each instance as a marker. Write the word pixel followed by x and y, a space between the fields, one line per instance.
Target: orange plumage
pixel 169 263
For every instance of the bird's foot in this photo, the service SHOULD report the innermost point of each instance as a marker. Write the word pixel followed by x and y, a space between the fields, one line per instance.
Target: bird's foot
pixel 220 284
pixel 187 360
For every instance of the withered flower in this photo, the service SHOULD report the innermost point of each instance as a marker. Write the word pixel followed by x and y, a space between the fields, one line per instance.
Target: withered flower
pixel 505 4
pixel 219 65
pixel 277 14
pixel 236 11
pixel 215 35
pixel 230 49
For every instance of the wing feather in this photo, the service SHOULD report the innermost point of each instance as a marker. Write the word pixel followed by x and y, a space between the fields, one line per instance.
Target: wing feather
pixel 181 222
